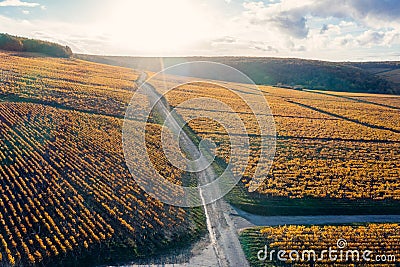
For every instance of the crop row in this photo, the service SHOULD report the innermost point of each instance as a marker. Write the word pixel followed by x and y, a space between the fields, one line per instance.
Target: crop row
pixel 382 240
pixel 65 187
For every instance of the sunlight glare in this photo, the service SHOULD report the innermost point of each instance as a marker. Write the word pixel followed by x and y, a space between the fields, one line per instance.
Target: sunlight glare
pixel 157 25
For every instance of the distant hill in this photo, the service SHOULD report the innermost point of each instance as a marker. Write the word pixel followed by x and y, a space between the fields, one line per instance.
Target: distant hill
pixel 20 44
pixel 389 70
pixel 291 72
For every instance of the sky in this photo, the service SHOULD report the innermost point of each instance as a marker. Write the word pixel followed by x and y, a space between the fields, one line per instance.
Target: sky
pixel 340 30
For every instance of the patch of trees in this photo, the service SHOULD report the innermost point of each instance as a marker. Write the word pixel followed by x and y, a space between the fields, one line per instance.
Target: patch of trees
pixel 312 74
pixel 20 44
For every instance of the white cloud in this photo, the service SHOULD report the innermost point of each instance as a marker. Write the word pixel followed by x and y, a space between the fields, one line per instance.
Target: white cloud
pixel 370 38
pixel 287 28
pixel 17 3
pixel 317 27
pixel 26 12
pixel 294 24
pixel 330 29
pixel 291 16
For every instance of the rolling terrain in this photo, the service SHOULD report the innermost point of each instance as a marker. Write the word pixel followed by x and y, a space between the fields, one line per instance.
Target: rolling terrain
pixel 287 72
pixel 331 148
pixel 66 191
pixel 390 70
pixel 68 197
pixel 328 162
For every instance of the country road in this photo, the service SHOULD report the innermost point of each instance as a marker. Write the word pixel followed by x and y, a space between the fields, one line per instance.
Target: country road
pixel 222 232
pixel 250 220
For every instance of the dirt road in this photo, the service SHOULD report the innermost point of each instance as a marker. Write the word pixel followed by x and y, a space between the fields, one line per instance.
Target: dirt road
pixel 222 231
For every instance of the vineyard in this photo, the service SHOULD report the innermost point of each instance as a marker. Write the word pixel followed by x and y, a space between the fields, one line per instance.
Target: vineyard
pixel 328 146
pixel 66 192
pixel 67 83
pixel 380 239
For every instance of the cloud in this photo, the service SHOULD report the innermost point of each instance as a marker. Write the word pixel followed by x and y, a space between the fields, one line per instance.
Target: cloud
pixel 267 48
pixel 292 16
pixel 384 9
pixel 367 12
pixel 292 23
pixel 371 38
pixel 318 26
pixel 17 3
pixel 324 29
pixel 329 29
pixel 225 39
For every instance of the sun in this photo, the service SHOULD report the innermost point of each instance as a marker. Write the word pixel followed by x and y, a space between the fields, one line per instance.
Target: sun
pixel 157 25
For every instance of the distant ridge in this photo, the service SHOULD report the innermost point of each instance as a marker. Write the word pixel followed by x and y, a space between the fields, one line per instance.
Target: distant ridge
pixel 285 72
pixel 21 44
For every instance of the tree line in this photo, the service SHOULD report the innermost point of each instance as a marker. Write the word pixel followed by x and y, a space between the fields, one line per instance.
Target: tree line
pixel 20 44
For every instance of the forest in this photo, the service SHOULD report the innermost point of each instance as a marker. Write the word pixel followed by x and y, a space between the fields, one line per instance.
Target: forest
pixel 20 44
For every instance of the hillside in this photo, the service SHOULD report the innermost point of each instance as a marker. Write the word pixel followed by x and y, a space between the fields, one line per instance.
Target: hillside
pixel 389 70
pixel 336 153
pixel 342 77
pixel 20 44
pixel 67 196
